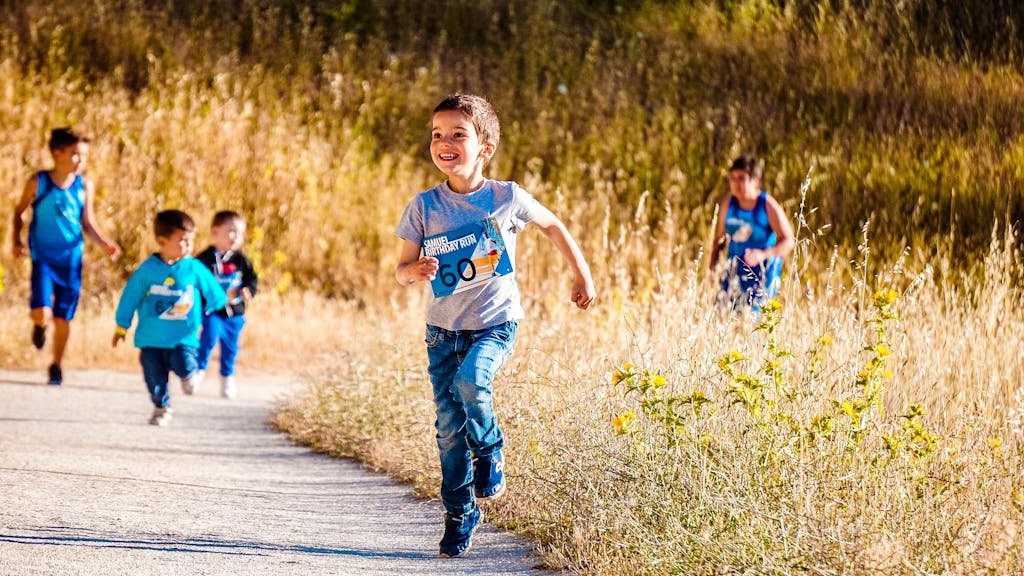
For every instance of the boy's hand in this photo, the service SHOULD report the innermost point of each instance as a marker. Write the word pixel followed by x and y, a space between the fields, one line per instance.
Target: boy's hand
pixel 119 335
pixel 755 256
pixel 113 250
pixel 423 269
pixel 583 293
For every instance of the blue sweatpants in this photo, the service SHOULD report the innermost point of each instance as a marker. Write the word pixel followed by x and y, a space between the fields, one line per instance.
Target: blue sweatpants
pixel 226 331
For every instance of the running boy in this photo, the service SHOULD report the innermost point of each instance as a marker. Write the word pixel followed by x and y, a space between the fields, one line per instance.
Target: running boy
pixel 757 234
pixel 237 277
pixel 62 211
pixel 163 291
pixel 461 236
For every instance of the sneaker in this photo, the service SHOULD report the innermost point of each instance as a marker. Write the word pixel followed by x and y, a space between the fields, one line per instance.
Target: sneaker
pixel 56 375
pixel 227 387
pixel 38 336
pixel 489 476
pixel 161 416
pixel 458 532
pixel 191 384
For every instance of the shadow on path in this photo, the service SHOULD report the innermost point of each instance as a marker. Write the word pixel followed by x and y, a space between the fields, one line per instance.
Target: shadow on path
pixel 67 536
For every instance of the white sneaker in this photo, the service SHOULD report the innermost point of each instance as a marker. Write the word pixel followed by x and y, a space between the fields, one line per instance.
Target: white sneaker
pixel 161 416
pixel 191 384
pixel 227 386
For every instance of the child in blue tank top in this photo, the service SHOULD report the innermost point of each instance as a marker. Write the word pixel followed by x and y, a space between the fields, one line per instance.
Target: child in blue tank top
pixel 756 234
pixel 62 215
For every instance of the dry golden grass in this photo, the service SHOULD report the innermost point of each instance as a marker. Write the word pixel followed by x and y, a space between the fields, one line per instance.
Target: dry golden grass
pixel 727 494
pixel 316 134
pixel 295 333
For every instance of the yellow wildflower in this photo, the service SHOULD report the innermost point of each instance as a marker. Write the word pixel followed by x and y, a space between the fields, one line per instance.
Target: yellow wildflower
pixel 826 340
pixel 888 373
pixel 623 422
pixel 616 377
pixel 994 443
pixel 284 283
pixel 774 304
pixel 885 297
pixel 882 350
pixel 658 381
pixel 627 367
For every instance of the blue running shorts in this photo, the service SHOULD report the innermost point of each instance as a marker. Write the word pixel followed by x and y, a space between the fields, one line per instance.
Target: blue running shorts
pixel 55 286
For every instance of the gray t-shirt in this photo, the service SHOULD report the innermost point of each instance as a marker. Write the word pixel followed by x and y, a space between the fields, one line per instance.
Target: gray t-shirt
pixel 440 210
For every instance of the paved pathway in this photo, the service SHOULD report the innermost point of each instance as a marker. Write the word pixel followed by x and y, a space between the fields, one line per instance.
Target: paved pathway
pixel 88 487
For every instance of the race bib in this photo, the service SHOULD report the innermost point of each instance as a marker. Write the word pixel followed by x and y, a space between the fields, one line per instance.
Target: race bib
pixel 170 303
pixel 467 257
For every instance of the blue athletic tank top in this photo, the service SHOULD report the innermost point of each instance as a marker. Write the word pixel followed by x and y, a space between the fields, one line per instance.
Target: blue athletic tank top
pixel 55 233
pixel 750 229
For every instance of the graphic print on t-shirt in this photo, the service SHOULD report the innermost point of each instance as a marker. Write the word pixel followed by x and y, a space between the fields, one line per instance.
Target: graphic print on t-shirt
pixel 740 230
pixel 171 303
pixel 467 257
pixel 229 276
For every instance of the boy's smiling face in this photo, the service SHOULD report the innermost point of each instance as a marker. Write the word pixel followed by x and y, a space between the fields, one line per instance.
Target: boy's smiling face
pixel 456 149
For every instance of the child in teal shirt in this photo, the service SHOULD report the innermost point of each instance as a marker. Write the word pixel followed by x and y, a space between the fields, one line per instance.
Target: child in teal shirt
pixel 167 292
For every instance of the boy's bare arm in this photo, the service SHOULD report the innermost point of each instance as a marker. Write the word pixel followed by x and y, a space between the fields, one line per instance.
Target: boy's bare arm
pixel 719 242
pixel 89 224
pixel 777 219
pixel 785 240
pixel 411 267
pixel 28 194
pixel 583 291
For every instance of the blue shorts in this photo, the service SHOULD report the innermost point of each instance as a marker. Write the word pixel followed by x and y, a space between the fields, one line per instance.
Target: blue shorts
pixel 57 287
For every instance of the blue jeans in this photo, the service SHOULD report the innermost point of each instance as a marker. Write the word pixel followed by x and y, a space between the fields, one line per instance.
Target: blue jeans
pixel 217 328
pixel 462 368
pixel 158 363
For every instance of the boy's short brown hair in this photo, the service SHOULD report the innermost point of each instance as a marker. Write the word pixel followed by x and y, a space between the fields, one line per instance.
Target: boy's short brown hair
pixel 224 216
pixel 61 138
pixel 479 111
pixel 170 221
pixel 748 164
